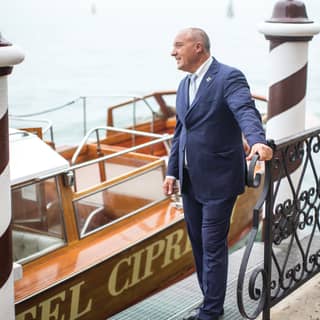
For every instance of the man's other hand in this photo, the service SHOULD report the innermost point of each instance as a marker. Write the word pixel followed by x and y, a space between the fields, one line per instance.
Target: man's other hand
pixel 169 186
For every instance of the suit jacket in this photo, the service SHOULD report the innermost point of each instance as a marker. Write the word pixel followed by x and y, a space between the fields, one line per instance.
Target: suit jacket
pixel 210 130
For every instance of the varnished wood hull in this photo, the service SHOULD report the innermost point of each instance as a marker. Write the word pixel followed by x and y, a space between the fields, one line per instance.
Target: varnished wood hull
pixel 115 283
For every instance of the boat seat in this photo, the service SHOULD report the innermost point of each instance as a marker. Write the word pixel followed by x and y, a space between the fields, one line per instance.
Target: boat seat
pixel 28 246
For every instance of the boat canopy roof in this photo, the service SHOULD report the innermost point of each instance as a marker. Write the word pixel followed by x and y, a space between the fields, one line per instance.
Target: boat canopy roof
pixel 31 157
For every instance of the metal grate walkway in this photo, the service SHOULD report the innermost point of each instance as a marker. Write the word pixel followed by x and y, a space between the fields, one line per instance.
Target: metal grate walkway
pixel 177 301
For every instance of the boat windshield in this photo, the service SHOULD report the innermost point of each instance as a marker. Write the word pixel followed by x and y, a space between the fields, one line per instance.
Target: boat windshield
pixel 138 111
pixel 38 226
pixel 132 187
pixel 112 183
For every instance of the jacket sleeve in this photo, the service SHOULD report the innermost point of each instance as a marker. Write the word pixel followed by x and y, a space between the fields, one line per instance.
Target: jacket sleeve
pixel 238 97
pixel 173 164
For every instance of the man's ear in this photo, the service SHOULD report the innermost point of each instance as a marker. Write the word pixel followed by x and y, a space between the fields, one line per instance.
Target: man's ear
pixel 199 47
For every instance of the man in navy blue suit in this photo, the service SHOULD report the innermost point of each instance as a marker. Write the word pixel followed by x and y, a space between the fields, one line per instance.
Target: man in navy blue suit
pixel 214 108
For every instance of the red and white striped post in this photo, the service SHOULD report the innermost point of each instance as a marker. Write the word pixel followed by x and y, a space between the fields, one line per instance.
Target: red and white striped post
pixel 289 31
pixel 9 56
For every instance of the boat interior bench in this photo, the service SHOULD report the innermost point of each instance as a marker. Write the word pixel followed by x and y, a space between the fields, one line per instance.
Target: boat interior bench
pixel 28 245
pixel 93 215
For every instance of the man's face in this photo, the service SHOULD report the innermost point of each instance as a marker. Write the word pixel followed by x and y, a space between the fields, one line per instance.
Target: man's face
pixel 186 50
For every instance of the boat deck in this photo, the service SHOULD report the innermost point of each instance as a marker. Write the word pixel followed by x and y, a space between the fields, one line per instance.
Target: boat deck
pixel 178 300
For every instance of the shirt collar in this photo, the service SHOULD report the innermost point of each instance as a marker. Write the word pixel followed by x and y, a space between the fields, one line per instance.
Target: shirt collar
pixel 203 68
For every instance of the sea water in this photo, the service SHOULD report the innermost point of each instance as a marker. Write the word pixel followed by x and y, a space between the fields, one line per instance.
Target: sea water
pixel 101 48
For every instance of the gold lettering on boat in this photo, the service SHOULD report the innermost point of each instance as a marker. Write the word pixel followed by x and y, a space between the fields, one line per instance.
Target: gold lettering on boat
pixel 50 308
pixel 113 278
pixel 142 262
pixel 75 302
pixel 23 315
pixel 136 268
pixel 153 252
pixel 173 248
pixel 52 302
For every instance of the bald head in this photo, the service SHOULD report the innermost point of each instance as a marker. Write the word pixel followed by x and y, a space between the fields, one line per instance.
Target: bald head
pixel 191 49
pixel 199 35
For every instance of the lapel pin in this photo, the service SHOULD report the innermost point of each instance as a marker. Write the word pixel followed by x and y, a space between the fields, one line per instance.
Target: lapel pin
pixel 208 79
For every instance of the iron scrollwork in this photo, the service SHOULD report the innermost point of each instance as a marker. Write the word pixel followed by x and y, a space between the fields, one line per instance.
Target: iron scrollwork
pixel 291 225
pixel 255 293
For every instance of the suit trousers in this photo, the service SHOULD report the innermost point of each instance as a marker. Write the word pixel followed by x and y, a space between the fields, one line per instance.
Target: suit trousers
pixel 208 223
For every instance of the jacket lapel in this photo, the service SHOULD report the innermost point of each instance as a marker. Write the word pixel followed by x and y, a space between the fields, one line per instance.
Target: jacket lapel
pixel 184 98
pixel 206 82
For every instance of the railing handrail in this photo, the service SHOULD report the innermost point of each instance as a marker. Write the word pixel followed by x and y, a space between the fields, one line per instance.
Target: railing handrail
pixel 248 249
pixel 67 104
pixel 33 114
pixel 47 128
pixel 130 131
pixel 163 138
pixel 66 171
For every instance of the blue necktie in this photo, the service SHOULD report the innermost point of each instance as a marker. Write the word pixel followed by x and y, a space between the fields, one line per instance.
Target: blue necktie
pixel 192 87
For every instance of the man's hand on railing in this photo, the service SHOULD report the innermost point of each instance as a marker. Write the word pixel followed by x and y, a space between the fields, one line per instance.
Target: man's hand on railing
pixel 264 151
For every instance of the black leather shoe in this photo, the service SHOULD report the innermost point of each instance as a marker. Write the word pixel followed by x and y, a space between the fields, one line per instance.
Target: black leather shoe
pixel 191 318
pixel 197 318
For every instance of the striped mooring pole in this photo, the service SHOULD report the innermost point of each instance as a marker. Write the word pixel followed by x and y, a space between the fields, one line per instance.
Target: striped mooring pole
pixel 289 31
pixel 9 56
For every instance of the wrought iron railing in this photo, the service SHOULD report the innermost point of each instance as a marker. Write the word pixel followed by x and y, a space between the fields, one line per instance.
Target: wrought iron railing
pixel 289 208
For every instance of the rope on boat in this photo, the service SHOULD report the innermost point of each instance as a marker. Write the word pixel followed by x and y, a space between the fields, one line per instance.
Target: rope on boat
pixel 47 110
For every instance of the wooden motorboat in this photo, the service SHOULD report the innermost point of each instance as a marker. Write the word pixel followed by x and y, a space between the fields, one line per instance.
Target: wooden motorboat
pixel 95 242
pixel 159 117
pixel 91 227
